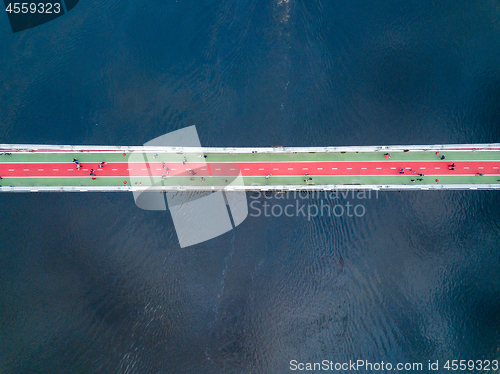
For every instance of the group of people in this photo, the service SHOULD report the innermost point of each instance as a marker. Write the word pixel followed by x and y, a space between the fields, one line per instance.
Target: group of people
pixel 167 170
pixel 402 171
pixel 92 171
pixel 388 155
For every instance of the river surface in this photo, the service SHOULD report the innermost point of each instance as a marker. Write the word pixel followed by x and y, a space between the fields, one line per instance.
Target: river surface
pixel 89 283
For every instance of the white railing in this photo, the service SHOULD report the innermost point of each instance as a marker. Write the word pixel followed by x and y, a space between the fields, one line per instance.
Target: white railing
pixel 374 187
pixel 229 150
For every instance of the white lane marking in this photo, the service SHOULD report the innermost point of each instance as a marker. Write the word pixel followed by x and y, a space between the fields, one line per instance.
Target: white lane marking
pixel 40 169
pixel 290 168
pixel 55 169
pixel 129 169
pixel 379 168
pixel 206 169
pixel 261 169
pixel 219 169
pixel 495 167
pixel 26 169
pixel 480 167
pixel 173 169
pixel 393 168
pixel 422 168
pixel 158 169
pixel 273 169
pixel 363 168
pixel 320 168
pixel 334 168
pixel 304 168
pixel 83 169
pixel 466 167
pixel 141 169
pixel 235 169
pixel 72 169
pixel 349 168
pixel 11 169
pixel 247 169
pixel 437 167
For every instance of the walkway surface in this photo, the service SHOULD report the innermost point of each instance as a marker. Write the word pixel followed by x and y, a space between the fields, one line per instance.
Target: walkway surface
pixel 248 168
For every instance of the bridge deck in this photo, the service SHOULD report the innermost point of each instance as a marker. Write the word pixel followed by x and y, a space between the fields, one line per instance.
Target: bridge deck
pixel 37 169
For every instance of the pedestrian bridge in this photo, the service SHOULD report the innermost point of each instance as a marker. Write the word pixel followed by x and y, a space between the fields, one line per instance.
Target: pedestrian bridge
pixel 37 168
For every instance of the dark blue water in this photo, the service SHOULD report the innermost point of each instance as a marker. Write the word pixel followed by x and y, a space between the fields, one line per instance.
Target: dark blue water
pixel 91 284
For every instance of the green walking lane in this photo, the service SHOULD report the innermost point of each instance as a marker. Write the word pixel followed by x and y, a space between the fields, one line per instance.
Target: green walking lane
pixel 251 181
